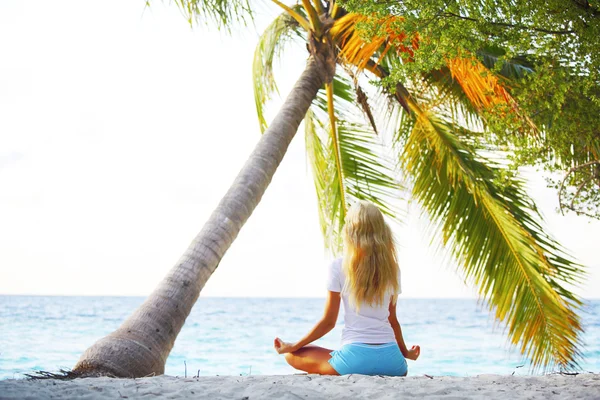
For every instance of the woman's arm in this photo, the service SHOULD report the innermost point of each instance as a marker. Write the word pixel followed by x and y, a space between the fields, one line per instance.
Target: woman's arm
pixel 414 351
pixel 325 324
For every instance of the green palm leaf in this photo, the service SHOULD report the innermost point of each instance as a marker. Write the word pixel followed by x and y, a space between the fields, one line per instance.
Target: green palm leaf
pixel 365 172
pixel 270 45
pixel 492 231
pixel 514 68
pixel 326 180
pixel 222 12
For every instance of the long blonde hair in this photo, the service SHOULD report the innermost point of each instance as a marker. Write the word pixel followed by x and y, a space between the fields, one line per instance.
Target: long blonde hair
pixel 370 263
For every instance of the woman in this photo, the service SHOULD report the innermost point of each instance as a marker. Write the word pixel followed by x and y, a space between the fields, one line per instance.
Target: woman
pixel 367 279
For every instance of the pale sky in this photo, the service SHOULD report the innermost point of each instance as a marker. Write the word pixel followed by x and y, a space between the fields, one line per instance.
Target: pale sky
pixel 120 130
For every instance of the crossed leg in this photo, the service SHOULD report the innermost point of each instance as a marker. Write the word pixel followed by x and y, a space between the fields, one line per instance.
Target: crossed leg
pixel 311 359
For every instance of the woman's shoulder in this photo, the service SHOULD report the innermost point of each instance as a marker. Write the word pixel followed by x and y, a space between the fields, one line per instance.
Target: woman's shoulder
pixel 336 264
pixel 334 276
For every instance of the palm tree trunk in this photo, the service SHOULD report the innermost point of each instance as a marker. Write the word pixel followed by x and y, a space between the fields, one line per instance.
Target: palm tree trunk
pixel 141 345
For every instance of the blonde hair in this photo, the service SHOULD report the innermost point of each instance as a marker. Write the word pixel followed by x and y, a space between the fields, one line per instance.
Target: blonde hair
pixel 370 263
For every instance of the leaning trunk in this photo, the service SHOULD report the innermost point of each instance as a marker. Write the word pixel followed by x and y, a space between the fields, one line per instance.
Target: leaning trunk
pixel 141 345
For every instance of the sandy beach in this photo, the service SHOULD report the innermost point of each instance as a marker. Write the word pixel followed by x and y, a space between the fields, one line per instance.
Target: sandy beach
pixel 556 386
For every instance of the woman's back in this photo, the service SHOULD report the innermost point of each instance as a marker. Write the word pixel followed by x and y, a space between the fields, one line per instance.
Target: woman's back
pixel 369 324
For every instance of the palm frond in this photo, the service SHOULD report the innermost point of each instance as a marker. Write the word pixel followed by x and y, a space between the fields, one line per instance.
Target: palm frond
pixel 319 8
pixel 443 86
pixel 366 173
pixel 295 14
pixel 492 229
pixel 333 134
pixel 514 68
pixel 486 91
pixel 270 45
pixel 326 180
pixel 313 17
pixel 478 83
pixel 356 51
pixel 222 12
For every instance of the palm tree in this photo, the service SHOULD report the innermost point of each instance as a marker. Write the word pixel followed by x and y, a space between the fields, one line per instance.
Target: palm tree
pixel 486 220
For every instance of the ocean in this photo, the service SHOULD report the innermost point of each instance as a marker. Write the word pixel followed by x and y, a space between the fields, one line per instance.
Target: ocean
pixel 234 336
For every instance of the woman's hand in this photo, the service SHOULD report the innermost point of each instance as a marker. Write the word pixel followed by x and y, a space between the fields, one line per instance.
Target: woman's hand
pixel 283 347
pixel 413 353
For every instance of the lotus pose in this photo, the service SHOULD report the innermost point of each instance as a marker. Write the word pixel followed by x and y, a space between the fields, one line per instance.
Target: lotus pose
pixel 367 280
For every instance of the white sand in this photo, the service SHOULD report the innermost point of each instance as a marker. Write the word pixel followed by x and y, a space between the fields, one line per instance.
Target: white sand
pixel 583 386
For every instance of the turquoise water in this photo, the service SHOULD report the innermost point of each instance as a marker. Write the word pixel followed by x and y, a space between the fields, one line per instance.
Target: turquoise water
pixel 227 336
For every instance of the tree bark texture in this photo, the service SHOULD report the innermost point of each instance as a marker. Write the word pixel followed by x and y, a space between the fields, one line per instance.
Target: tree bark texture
pixel 141 345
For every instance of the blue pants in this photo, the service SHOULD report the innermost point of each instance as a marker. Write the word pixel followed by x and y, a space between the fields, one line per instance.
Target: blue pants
pixel 369 359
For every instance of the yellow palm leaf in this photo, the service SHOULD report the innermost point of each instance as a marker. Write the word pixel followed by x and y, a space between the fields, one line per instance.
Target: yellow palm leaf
pixel 478 83
pixel 356 51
